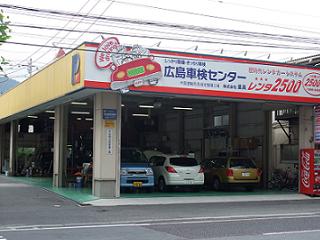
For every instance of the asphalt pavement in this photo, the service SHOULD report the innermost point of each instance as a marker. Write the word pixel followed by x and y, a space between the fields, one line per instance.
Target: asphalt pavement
pixel 28 212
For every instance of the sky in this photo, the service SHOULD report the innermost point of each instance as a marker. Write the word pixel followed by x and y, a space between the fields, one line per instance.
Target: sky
pixel 264 30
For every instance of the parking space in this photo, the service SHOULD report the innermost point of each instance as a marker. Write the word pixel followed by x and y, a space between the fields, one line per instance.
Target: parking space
pixel 173 146
pixel 223 144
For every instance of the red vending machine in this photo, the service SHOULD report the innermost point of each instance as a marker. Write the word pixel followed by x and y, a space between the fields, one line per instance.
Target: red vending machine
pixel 310 171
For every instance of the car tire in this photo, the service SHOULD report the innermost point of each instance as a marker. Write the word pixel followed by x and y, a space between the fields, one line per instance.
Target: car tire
pixel 249 188
pixel 197 188
pixel 149 189
pixel 216 184
pixel 162 186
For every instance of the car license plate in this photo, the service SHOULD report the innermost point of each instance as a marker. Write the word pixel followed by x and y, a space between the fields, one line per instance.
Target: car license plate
pixel 245 174
pixel 189 181
pixel 138 83
pixel 137 184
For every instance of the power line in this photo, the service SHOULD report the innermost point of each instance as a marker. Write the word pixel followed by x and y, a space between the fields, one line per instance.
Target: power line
pixel 276 37
pixel 94 50
pixel 256 44
pixel 104 11
pixel 210 16
pixel 147 23
pixel 83 6
pixel 139 36
pixel 27 34
pixel 252 34
pixel 177 34
pixel 264 9
pixel 232 33
pixel 155 31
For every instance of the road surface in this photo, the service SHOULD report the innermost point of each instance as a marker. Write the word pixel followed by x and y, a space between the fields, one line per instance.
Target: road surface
pixel 28 212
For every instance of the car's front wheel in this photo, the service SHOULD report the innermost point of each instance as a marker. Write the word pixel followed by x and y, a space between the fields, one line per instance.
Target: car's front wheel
pixel 216 184
pixel 249 188
pixel 162 186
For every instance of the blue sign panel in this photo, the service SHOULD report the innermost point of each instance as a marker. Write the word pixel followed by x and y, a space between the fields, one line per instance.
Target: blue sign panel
pixel 110 114
pixel 75 76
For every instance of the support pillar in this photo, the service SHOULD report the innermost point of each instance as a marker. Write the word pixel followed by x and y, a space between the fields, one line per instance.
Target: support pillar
pixel 306 127
pixel 267 148
pixel 60 145
pixel 181 132
pixel 233 120
pixel 13 147
pixel 106 145
pixel 2 147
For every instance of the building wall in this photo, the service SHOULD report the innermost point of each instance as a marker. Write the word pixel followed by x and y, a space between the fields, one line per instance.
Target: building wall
pixel 48 84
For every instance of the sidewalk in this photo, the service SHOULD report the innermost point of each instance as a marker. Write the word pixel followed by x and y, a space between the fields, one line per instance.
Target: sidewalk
pixel 83 196
pixel 200 199
pixel 79 195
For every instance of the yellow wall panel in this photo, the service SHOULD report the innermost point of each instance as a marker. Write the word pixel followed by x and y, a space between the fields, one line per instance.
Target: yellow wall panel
pixel 52 82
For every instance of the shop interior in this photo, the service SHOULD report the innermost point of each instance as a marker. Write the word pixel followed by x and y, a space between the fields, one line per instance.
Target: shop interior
pixel 199 127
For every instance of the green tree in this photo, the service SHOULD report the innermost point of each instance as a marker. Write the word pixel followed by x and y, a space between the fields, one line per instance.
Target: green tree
pixel 4 34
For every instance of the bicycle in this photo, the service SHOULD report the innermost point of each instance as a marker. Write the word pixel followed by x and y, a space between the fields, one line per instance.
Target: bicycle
pixel 284 179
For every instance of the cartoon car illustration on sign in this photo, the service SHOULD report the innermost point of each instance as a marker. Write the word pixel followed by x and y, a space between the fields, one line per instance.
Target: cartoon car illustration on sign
pixel 139 72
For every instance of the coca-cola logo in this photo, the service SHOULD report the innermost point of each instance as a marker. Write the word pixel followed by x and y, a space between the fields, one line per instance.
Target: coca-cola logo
pixel 305 170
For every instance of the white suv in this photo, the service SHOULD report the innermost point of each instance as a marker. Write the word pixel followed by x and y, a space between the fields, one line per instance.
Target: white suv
pixel 176 170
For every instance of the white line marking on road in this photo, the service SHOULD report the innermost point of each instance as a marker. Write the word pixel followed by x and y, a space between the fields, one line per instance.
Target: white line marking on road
pixel 236 217
pixel 291 232
pixel 180 222
pixel 223 217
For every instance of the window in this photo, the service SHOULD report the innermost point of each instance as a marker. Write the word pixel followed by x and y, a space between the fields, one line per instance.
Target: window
pixel 158 160
pixel 132 156
pixel 242 163
pixel 289 153
pixel 183 161
pixel 221 120
pixel 217 121
pixel 219 163
pixel 225 120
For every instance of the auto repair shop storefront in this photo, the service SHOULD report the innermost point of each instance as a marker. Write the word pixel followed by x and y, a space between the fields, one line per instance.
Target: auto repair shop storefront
pixel 132 96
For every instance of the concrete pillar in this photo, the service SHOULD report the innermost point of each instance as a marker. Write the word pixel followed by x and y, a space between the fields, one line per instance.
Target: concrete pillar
pixel 267 148
pixel 2 146
pixel 60 145
pixel 106 145
pixel 181 132
pixel 13 148
pixel 306 127
pixel 233 122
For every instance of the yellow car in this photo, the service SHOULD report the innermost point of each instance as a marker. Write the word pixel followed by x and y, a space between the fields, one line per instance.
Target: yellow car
pixel 222 172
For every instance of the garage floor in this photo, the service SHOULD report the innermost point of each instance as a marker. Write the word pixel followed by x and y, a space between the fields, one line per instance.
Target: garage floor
pixel 76 194
pixel 82 195
pixel 202 193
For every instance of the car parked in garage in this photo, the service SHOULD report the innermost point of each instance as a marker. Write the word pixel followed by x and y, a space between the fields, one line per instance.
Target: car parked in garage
pixel 176 170
pixel 221 172
pixel 135 170
pixel 151 153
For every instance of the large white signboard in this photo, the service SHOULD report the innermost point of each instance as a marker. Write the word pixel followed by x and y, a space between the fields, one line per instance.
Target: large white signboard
pixel 139 69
